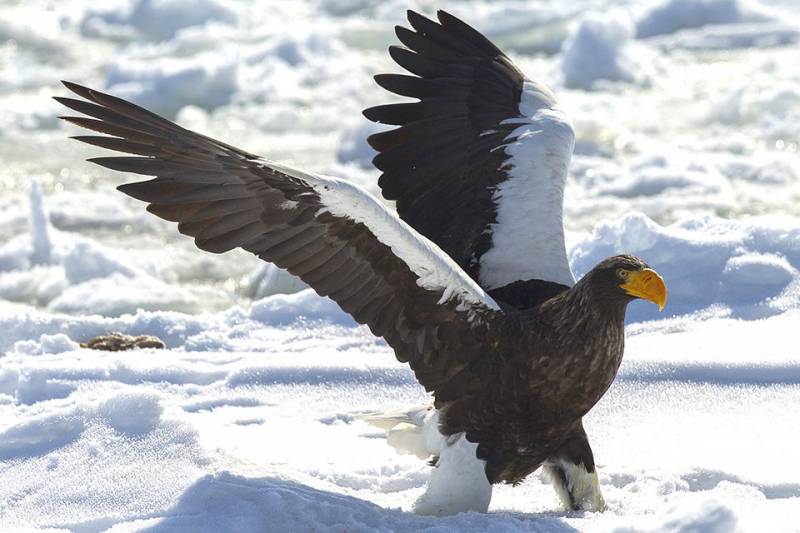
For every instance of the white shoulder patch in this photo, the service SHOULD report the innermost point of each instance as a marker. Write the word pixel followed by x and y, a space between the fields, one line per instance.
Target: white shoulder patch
pixel 436 270
pixel 528 237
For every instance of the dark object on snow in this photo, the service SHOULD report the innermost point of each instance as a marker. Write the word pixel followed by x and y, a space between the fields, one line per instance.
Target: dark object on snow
pixel 472 287
pixel 117 342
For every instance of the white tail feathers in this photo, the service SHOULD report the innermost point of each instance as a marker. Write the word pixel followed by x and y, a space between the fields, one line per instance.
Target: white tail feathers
pixel 413 431
pixel 408 439
pixel 389 419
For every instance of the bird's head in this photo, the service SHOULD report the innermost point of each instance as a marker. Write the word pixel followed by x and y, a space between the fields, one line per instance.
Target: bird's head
pixel 623 278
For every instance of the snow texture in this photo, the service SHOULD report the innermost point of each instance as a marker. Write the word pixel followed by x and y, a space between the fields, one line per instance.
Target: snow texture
pixel 673 15
pixel 746 268
pixel 600 50
pixel 153 19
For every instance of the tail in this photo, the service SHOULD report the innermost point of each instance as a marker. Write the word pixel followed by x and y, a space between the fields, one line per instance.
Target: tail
pixel 409 431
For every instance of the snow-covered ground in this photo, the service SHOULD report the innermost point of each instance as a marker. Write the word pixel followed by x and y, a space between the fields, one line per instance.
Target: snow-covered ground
pixel 688 122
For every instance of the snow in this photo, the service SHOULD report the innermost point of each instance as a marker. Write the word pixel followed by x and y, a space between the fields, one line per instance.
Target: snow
pixel 153 19
pixel 353 146
pixel 601 49
pixel 249 420
pixel 57 343
pixel 206 81
pixel 269 280
pixel 202 437
pixel 673 15
pixel 745 268
pixel 40 228
pixel 731 36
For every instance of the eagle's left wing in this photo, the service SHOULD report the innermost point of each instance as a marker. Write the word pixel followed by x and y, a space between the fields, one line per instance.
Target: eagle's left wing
pixel 479 162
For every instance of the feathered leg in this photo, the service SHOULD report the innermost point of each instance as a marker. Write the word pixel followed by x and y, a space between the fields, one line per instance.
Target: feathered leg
pixel 458 481
pixel 572 472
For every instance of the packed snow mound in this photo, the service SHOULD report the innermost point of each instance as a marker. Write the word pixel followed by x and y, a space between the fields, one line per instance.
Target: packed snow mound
pixel 748 268
pixel 284 309
pixel 134 414
pixel 601 49
pixel 46 344
pixel 673 15
pixel 153 19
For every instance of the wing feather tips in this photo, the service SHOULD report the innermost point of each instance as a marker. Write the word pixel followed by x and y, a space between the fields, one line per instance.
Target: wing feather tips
pixel 468 33
pixel 413 62
pixel 118 144
pixel 120 106
pixel 444 37
pixel 425 46
pixel 113 115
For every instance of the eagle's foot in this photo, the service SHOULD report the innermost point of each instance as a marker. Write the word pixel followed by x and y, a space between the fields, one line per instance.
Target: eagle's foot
pixel 577 488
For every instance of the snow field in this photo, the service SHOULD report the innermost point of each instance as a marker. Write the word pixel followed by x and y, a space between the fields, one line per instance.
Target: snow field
pixel 199 437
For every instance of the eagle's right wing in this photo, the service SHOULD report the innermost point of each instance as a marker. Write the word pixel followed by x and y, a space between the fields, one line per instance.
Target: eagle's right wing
pixel 331 233
pixel 478 164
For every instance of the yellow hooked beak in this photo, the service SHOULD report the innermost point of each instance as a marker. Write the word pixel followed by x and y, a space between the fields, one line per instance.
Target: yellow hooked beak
pixel 647 284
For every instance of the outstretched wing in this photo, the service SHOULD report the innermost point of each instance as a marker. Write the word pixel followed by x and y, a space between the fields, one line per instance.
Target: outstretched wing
pixel 332 234
pixel 478 164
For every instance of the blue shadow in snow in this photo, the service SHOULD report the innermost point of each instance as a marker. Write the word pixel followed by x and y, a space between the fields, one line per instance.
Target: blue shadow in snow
pixel 227 502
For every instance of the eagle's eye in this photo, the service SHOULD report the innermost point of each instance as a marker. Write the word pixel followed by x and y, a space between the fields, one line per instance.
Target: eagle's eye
pixel 622 273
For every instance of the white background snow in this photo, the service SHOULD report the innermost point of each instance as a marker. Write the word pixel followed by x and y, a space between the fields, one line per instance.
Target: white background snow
pixel 687 115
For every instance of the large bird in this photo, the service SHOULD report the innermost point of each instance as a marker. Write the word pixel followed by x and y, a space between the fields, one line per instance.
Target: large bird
pixel 470 284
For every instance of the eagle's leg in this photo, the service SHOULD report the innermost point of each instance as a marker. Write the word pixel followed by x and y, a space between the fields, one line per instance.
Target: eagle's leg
pixel 458 482
pixel 572 472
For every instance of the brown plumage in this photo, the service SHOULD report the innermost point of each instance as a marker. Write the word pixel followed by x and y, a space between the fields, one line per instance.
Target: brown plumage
pixel 514 372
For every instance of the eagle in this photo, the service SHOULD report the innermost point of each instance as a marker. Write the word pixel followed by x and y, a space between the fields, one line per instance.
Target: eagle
pixel 468 280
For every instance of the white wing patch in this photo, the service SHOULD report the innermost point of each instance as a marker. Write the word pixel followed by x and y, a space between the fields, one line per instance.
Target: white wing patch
pixel 528 237
pixel 435 269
